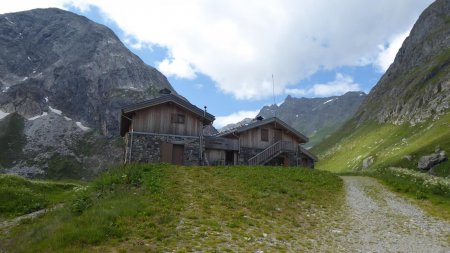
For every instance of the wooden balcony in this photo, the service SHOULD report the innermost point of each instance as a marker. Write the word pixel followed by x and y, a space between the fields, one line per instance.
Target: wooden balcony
pixel 212 142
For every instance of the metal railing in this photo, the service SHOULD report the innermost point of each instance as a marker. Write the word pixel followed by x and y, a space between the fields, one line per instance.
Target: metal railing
pixel 272 151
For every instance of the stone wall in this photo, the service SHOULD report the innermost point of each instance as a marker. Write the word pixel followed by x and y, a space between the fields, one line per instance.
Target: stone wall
pixel 146 148
pixel 247 153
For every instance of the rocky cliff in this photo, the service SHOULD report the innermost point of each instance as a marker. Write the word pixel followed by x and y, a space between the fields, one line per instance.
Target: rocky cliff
pixel 63 78
pixel 416 87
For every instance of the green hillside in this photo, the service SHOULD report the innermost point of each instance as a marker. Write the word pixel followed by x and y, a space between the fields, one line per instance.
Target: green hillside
pixel 20 196
pixel 160 208
pixel 388 144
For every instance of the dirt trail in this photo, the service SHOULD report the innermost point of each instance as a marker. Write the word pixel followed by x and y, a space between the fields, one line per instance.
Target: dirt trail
pixel 379 221
pixel 15 221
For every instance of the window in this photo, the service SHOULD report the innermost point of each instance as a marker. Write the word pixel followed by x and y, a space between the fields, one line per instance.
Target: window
pixel 264 134
pixel 177 118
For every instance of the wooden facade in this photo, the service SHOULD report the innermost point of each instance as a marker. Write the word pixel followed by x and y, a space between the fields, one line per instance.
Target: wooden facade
pixel 167 118
pixel 270 141
pixel 256 137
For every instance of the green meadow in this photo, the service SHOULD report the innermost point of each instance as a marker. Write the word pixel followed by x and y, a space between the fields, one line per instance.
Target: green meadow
pixel 163 208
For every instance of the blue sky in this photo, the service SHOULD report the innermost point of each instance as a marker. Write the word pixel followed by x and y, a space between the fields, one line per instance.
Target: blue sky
pixel 222 54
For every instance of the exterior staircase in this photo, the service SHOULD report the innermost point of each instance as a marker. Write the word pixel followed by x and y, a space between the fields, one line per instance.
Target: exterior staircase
pixel 271 152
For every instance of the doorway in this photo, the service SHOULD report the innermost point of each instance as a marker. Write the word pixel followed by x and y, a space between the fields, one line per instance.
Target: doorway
pixel 229 157
pixel 177 154
pixel 172 153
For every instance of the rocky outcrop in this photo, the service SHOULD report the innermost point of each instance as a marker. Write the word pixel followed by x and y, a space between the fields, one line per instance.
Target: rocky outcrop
pixel 416 87
pixel 367 162
pixel 429 161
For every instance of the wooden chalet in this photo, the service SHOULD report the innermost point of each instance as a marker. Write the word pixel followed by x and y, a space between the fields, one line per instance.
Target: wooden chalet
pixel 270 141
pixel 170 129
pixel 165 129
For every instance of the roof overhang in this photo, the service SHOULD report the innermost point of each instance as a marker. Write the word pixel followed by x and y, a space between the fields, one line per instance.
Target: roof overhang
pixel 126 113
pixel 308 154
pixel 302 138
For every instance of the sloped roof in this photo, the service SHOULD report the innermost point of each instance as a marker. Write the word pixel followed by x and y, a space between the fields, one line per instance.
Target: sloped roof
pixel 263 122
pixel 308 154
pixel 127 110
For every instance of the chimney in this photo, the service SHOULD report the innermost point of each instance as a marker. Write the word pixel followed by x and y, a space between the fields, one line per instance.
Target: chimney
pixel 165 91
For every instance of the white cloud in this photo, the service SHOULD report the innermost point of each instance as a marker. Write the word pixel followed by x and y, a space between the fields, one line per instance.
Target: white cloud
pixel 199 86
pixel 22 5
pixel 239 45
pixel 235 117
pixel 296 92
pixel 388 52
pixel 177 67
pixel 340 85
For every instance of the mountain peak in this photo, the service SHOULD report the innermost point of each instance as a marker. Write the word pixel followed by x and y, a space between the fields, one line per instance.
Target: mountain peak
pixel 81 67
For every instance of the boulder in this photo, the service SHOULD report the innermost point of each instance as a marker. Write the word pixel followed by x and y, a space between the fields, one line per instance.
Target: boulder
pixel 429 161
pixel 367 162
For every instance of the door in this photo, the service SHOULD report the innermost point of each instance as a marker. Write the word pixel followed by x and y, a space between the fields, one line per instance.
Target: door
pixel 166 152
pixel 177 154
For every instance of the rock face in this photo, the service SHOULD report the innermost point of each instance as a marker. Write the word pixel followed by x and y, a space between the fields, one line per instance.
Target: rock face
pixel 427 162
pixel 315 117
pixel 51 57
pixel 367 162
pixel 63 78
pixel 416 86
pixel 312 114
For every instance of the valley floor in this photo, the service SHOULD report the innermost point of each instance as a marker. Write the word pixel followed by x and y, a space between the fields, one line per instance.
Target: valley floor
pixel 245 209
pixel 376 220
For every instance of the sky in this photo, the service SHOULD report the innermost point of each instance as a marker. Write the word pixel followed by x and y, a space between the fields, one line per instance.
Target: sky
pixel 237 56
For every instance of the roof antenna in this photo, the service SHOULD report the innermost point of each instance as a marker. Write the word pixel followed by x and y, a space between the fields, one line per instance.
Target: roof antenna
pixel 273 92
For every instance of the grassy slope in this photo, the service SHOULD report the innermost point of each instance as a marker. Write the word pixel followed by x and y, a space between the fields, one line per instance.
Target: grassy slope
pixel 323 133
pixel 387 143
pixel 161 208
pixel 19 196
pixel 12 139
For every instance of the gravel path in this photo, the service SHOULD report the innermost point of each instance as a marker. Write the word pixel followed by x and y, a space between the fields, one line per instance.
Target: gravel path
pixel 380 221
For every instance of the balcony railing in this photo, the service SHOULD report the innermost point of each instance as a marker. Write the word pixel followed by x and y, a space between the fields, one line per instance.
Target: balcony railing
pixel 271 152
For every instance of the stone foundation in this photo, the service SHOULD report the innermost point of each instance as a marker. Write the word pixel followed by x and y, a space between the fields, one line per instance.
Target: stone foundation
pixel 247 153
pixel 146 148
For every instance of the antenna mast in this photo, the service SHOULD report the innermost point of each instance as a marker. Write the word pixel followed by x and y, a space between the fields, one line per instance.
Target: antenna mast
pixel 273 93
